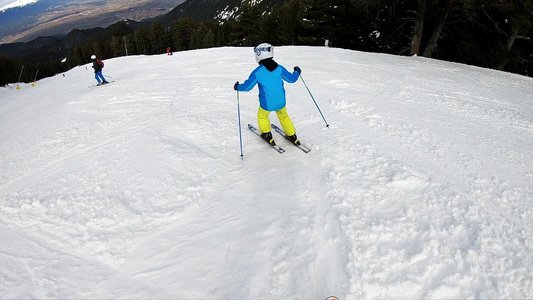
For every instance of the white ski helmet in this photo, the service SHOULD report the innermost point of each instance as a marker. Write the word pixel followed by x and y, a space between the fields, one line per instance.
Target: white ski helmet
pixel 93 56
pixel 263 51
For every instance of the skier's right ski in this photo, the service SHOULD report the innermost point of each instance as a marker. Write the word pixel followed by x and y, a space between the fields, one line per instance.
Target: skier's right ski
pixel 256 131
pixel 300 146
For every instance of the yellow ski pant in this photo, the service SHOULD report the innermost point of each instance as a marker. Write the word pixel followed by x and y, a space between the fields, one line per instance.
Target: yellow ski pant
pixel 264 121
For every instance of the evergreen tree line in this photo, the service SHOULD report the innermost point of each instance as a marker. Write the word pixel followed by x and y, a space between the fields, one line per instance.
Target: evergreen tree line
pixel 11 70
pixel 488 33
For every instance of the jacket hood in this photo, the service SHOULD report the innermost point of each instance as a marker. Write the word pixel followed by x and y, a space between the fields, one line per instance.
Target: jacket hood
pixel 269 63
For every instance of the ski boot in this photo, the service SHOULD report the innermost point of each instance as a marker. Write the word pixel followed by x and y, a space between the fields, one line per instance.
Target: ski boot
pixel 267 136
pixel 294 139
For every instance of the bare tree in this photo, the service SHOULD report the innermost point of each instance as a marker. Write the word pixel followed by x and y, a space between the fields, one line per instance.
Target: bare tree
pixel 437 33
pixel 416 39
pixel 520 21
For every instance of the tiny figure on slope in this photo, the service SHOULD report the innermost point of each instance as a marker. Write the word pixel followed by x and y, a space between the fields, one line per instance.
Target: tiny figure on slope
pixel 97 66
pixel 169 51
pixel 270 76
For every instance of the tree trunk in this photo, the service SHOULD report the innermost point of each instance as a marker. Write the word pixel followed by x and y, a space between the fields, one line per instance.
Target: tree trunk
pixel 508 47
pixel 435 36
pixel 419 27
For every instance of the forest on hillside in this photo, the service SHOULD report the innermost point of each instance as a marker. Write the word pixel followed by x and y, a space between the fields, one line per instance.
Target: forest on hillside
pixel 493 34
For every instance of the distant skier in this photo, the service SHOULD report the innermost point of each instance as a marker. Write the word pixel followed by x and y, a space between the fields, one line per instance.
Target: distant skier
pixel 97 66
pixel 270 76
pixel 169 52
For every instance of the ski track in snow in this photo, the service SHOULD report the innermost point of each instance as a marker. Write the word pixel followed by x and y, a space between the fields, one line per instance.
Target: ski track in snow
pixel 420 188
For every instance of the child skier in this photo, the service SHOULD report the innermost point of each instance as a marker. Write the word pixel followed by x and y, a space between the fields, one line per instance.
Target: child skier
pixel 270 76
pixel 97 66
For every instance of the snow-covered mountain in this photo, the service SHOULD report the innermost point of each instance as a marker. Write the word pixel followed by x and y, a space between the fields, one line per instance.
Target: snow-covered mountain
pixel 421 187
pixel 58 17
pixel 7 4
pixel 214 9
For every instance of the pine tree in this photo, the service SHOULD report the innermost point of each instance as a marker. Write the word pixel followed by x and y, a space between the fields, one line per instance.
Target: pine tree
pixel 116 46
pixel 209 38
pixel 248 27
pixel 157 37
pixel 8 71
pixel 143 40
pixel 290 25
pixel 182 32
pixel 197 37
pixel 268 27
pixel 78 57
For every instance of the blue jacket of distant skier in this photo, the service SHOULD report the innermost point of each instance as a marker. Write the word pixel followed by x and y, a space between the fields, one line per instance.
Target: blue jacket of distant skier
pixel 270 76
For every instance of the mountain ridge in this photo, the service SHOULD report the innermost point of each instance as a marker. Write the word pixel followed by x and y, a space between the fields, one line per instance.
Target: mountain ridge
pixel 63 43
pixel 59 47
pixel 211 9
pixel 23 24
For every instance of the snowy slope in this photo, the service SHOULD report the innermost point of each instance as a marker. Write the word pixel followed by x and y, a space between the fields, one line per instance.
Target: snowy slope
pixel 421 188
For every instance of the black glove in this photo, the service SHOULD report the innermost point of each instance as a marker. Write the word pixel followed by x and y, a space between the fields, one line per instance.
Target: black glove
pixel 297 69
pixel 235 86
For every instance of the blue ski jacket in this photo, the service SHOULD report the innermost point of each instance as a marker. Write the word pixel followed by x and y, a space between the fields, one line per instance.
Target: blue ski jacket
pixel 270 76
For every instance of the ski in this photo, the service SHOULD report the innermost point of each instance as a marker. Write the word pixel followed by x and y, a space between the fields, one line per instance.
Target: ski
pixel 301 146
pixel 256 131
pixel 101 84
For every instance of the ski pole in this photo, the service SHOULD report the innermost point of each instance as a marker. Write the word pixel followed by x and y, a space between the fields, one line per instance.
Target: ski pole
pixel 327 125
pixel 240 131
pixel 18 87
pixel 35 78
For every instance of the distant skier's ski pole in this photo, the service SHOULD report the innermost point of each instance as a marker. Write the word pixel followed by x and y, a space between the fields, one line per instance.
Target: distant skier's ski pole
pixel 327 125
pixel 240 131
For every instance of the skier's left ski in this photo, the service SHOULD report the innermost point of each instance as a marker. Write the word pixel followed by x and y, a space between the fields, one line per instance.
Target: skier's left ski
pixel 301 146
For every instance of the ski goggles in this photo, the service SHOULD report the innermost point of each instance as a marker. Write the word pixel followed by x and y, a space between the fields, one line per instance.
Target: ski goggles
pixel 260 49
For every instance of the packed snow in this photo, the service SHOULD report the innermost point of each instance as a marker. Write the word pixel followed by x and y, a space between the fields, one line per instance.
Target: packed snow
pixel 421 187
